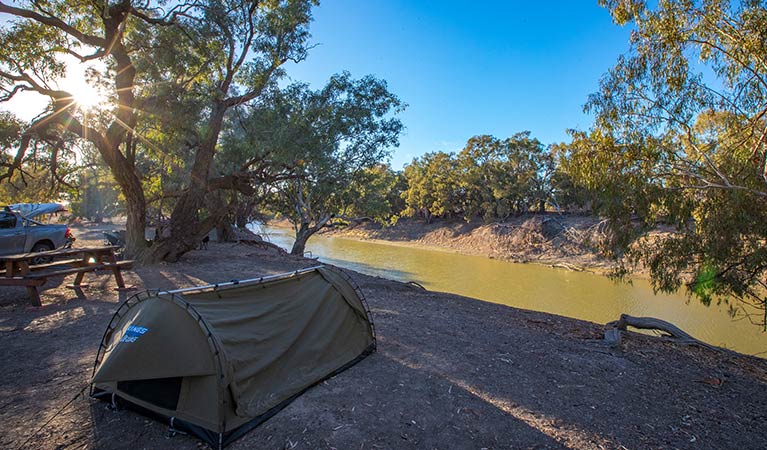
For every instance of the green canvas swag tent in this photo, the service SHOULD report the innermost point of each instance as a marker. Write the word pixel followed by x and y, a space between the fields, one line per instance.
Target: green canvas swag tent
pixel 216 361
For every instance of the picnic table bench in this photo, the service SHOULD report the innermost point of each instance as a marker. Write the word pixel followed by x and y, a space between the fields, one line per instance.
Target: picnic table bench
pixel 31 270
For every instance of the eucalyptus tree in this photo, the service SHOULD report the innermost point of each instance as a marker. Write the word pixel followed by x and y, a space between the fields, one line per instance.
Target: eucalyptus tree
pixel 375 195
pixel 243 46
pixel 97 195
pixel 41 175
pixel 433 186
pixel 680 137
pixel 500 177
pixel 318 144
pixel 177 68
pixel 32 45
pixel 477 164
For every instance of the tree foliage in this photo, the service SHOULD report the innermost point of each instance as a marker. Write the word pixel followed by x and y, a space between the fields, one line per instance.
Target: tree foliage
pixel 43 174
pixel 317 146
pixel 375 194
pixel 680 138
pixel 97 196
pixel 432 186
pixel 490 178
pixel 172 70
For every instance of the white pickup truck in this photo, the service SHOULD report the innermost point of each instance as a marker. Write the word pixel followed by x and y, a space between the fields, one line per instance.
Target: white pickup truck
pixel 20 234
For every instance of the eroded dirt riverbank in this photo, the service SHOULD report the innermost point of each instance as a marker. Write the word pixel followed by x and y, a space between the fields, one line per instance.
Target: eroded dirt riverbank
pixel 570 241
pixel 451 373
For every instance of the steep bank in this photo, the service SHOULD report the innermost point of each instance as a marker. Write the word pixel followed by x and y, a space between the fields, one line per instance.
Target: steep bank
pixel 566 240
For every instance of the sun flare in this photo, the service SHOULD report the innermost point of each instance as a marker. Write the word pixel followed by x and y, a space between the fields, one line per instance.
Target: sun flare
pixel 83 94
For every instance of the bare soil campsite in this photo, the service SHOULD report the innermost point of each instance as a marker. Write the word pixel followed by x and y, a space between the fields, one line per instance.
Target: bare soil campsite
pixel 625 138
pixel 450 373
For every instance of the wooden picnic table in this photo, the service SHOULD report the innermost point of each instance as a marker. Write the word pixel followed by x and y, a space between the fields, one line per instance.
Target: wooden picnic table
pixel 31 270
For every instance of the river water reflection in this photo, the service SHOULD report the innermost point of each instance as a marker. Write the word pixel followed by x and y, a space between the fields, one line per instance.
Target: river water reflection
pixel 580 295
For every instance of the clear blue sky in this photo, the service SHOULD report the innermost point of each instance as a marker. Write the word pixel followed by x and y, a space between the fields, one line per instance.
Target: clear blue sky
pixel 469 68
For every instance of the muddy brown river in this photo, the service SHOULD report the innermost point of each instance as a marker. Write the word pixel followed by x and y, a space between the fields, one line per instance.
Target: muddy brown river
pixel 573 294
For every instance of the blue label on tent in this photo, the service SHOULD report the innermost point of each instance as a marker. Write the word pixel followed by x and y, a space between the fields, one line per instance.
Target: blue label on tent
pixel 133 333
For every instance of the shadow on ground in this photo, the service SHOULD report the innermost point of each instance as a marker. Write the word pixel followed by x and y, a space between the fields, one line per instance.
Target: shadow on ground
pixel 450 373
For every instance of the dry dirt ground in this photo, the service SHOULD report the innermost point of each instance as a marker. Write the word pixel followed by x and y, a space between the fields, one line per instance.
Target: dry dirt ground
pixel 450 373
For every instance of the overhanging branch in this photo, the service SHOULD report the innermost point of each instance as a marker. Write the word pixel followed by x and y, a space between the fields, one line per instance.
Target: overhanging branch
pixel 55 22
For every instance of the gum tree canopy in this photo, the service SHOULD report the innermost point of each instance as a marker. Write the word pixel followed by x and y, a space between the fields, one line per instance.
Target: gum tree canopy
pixel 324 142
pixel 681 124
pixel 172 71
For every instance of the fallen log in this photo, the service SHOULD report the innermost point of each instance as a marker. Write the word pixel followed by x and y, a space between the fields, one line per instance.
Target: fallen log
pixel 613 329
pixel 415 284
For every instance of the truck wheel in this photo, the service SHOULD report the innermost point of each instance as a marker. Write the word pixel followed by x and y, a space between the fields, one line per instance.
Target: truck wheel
pixel 41 247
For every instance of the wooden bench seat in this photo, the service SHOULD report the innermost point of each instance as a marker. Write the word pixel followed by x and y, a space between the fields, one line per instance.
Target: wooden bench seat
pixel 63 262
pixel 35 267
pixel 127 264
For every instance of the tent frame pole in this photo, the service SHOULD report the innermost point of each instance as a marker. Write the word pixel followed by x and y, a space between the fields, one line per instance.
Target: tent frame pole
pixel 259 280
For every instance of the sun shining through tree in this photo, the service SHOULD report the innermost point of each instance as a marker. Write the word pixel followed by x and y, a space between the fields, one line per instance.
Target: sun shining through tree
pixel 84 95
pixel 174 70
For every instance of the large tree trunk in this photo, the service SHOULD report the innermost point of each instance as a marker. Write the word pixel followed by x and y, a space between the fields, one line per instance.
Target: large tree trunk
pixel 186 229
pixel 305 231
pixel 241 220
pixel 225 232
pixel 124 172
pixel 183 238
pixel 303 234
pixel 135 227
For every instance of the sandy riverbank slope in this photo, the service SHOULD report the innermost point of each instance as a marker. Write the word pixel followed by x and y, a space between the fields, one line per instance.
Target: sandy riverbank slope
pixel 451 373
pixel 553 239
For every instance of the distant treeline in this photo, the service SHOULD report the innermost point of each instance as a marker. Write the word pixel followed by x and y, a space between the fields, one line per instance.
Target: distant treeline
pixel 489 179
